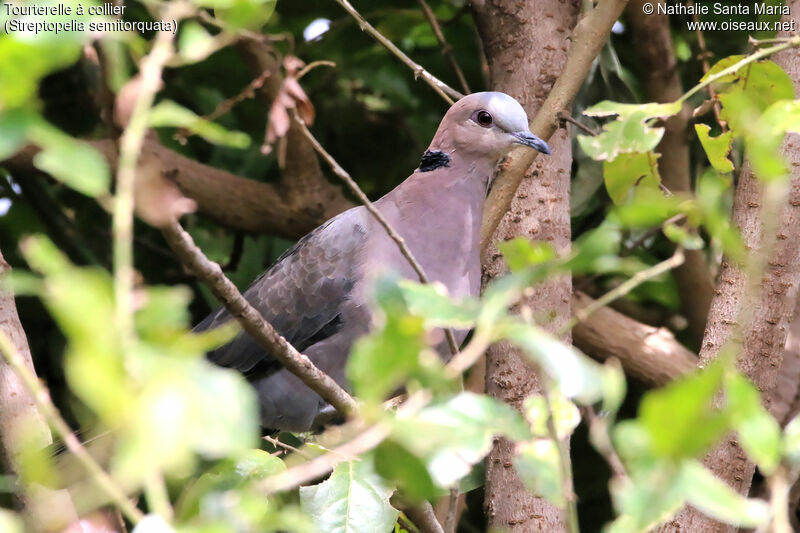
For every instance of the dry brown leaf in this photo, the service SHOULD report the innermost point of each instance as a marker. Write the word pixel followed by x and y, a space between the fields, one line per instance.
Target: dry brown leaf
pixel 158 200
pixel 290 96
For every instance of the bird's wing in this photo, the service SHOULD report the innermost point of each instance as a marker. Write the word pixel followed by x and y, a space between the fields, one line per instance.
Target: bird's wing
pixel 301 294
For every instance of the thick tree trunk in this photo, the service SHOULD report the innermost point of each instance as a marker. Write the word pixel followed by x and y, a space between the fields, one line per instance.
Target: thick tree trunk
pixel 762 342
pixel 662 84
pixel 526 46
pixel 21 425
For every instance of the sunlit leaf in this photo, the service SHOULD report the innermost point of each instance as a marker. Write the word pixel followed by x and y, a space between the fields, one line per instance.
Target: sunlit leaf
pixel 681 417
pixel 453 435
pixel 432 303
pixel 564 413
pixel 759 432
pixel 716 148
pixel 791 440
pixel 354 499
pixel 576 375
pixel 194 42
pixel 76 164
pixel 382 361
pixel 650 496
pixel 716 499
pixel 171 114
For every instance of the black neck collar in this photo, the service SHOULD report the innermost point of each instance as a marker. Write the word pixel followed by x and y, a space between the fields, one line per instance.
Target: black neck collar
pixel 433 159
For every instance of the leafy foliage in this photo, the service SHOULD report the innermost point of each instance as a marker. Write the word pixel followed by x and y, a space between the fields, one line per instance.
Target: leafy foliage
pixel 175 418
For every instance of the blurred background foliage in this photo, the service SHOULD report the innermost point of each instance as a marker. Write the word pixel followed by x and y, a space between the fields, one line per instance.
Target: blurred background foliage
pixel 376 120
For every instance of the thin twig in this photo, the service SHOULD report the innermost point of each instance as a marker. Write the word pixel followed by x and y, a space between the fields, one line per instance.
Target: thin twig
pixel 255 324
pixel 598 431
pixel 624 288
pixel 157 496
pixel 421 515
pixel 452 511
pixel 130 146
pixel 319 466
pixel 226 105
pixel 42 399
pixel 353 186
pixel 794 42
pixel 280 444
pixel 444 90
pixel 447 50
pixel 566 117
pixel 314 64
pixel 704 55
pixel 564 465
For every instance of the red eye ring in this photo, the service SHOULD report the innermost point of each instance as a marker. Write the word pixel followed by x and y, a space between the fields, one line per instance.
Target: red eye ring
pixel 484 118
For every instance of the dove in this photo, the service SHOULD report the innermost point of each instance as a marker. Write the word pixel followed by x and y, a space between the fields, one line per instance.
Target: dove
pixel 317 294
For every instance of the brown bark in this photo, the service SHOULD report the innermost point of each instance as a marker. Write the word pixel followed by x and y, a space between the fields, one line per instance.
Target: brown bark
pixel 649 354
pixel 761 343
pixel 22 426
pixel 653 40
pixel 230 200
pixel 540 211
pixel 784 398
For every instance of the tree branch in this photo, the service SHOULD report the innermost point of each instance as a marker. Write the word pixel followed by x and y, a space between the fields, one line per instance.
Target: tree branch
pixel 662 84
pixel 230 200
pixel 752 308
pixel 447 50
pixel 253 323
pixel 588 39
pixel 651 355
pixel 22 425
pixel 42 399
pixel 442 89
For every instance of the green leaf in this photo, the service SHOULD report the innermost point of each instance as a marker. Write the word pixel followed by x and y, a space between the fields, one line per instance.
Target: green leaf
pixel 382 361
pixel 680 235
pixel 565 414
pixel 631 172
pixel 153 524
pixel 630 132
pixel 716 148
pixel 432 302
pixel 759 432
pixel 251 14
pixel 537 464
pixel 716 499
pixel 454 434
pixel 681 418
pixel 10 522
pixel 404 470
pixel 230 474
pixel 576 375
pixel 649 497
pixel 353 499
pixel 194 42
pixel 194 407
pixel 791 441
pixel 77 165
pixel 13 129
pixel 522 253
pixel 168 113
pixel 712 189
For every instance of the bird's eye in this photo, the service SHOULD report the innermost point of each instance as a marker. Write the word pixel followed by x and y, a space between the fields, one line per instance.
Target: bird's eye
pixel 484 119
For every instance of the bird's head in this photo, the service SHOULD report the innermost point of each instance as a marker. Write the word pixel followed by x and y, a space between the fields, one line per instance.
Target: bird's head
pixel 485 124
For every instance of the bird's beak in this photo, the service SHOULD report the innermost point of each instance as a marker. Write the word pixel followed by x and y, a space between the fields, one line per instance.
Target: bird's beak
pixel 527 138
